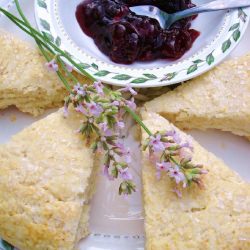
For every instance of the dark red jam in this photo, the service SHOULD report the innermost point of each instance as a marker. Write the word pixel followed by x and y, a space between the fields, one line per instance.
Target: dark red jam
pixel 127 37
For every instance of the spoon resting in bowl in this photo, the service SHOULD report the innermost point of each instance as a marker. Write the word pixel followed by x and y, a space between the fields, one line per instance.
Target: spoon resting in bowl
pixel 166 20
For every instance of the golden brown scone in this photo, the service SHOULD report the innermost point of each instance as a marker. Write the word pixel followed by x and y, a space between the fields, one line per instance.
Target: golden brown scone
pixel 46 182
pixel 24 80
pixel 216 218
pixel 218 99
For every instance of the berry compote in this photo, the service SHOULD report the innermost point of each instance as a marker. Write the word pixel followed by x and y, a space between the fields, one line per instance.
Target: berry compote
pixel 126 37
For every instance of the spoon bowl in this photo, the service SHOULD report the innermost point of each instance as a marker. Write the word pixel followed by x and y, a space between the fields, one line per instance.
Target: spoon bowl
pixel 166 20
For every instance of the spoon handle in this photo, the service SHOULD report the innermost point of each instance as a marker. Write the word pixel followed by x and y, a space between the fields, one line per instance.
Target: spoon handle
pixel 213 6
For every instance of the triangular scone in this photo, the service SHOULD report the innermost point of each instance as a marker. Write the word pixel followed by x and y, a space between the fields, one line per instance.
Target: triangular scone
pixel 219 99
pixel 46 181
pixel 24 80
pixel 217 217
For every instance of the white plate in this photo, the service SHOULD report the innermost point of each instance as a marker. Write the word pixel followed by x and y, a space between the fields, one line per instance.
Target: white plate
pixel 115 223
pixel 220 33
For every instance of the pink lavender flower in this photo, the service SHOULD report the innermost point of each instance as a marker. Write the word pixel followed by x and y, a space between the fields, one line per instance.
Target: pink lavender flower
pixel 106 173
pixel 177 192
pixel 170 133
pixel 99 87
pixel 176 173
pixel 124 151
pixel 120 125
pixel 128 88
pixel 185 154
pixel 69 67
pixel 79 108
pixel 105 129
pixel 177 138
pixel 65 110
pixel 94 109
pixel 79 89
pixel 131 103
pixel 52 65
pixel 163 166
pixel 115 103
pixel 156 143
pixel 187 144
pixel 125 175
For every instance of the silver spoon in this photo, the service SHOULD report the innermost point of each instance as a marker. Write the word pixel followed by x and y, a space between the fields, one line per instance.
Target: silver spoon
pixel 169 19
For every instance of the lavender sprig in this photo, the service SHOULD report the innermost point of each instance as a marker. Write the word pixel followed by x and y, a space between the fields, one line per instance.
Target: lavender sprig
pixel 103 110
pixel 172 156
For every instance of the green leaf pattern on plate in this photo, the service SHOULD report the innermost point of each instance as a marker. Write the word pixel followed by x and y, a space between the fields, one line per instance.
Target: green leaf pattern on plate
pixel 95 66
pixel 48 36
pixel 236 35
pixel 140 80
pixel 169 76
pixel 42 4
pixel 84 65
pixel 210 59
pixel 150 76
pixel 226 45
pixel 192 68
pixel 122 77
pixel 102 73
pixel 58 41
pixel 235 26
pixel 45 24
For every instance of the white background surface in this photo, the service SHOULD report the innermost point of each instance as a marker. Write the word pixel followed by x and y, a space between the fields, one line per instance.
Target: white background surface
pixel 111 215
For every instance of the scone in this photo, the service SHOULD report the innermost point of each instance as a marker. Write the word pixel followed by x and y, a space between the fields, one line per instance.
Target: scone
pixel 219 99
pixel 46 181
pixel 217 217
pixel 24 80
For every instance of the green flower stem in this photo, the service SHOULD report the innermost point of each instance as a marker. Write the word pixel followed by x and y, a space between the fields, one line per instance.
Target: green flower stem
pixel 60 75
pixel 74 79
pixel 138 120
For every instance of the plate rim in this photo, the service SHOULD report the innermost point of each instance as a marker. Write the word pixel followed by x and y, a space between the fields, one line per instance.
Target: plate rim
pixel 189 68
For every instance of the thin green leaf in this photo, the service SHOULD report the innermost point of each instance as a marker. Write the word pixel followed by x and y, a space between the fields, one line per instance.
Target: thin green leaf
pixel 45 24
pixel 198 61
pixel 94 66
pixel 236 35
pixel 48 36
pixel 150 76
pixel 169 76
pixel 234 27
pixel 139 80
pixel 210 59
pixel 192 68
pixel 122 77
pixel 102 73
pixel 226 45
pixel 58 41
pixel 84 65
pixel 242 15
pixel 42 4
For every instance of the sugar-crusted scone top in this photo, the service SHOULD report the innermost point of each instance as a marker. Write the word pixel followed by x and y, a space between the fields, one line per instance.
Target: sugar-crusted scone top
pixel 25 81
pixel 218 99
pixel 44 174
pixel 217 217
